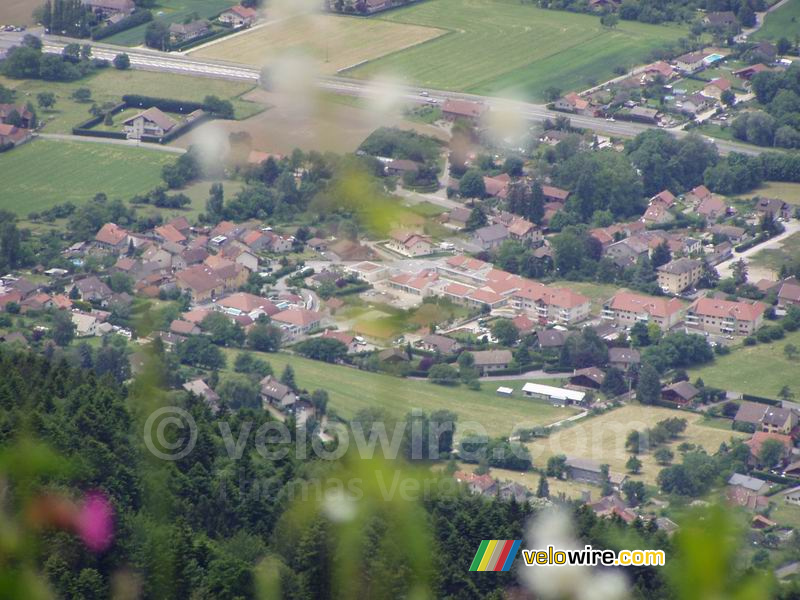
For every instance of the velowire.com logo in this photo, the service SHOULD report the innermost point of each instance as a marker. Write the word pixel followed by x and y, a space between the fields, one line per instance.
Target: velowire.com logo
pixel 495 555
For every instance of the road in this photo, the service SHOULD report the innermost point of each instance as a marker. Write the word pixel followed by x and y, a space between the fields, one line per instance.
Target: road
pixel 724 268
pixel 153 60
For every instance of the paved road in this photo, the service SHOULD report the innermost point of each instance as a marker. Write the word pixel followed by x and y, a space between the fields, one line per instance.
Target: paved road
pixel 724 268
pixel 154 60
pixel 130 143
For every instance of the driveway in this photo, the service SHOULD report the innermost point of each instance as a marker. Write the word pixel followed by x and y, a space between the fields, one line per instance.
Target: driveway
pixel 724 268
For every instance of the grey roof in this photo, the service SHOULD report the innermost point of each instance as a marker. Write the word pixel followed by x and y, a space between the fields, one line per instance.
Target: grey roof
pixel 776 416
pixel 684 389
pixel 681 265
pixel 745 481
pixel 585 464
pixel 750 412
pixel 492 233
pixel 551 338
pixel 624 355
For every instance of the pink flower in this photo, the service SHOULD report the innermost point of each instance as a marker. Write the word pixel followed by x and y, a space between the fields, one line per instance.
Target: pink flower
pixel 95 522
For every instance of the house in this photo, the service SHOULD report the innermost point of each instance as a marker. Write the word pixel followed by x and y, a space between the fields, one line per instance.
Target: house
pixel 168 233
pixel 584 469
pixel 112 237
pixel 440 343
pixel 623 358
pixel 731 232
pixel 151 122
pixel 680 393
pixel 91 289
pixel 725 316
pixel 696 195
pixel 721 19
pixel 551 338
pixel 750 412
pixel 201 281
pixel 693 104
pixel 679 274
pixel 779 420
pixel 792 495
pixel 368 271
pixel 110 7
pixel 417 284
pixel 276 393
pixel 181 327
pixel 554 194
pixel 613 506
pixel 758 439
pixel 243 303
pixel 409 244
pixel 555 395
pixel 712 207
pixel 345 338
pixel 401 166
pixel 453 109
pixel 241 255
pixel 491 236
pixel 393 356
pixel 496 187
pixel 643 114
pixel 717 87
pixel 690 62
pixel 628 308
pixel 749 72
pixel 487 361
pixel 85 325
pixel 657 214
pixel 664 197
pixel 483 485
pixel 511 490
pixel 744 498
pixel 789 293
pixel 772 206
pixel 347 250
pixel 200 388
pixel 590 377
pixel 626 253
pixel 525 231
pixel 185 32
pixel 17 115
pixel 238 16
pixel 659 69
pixel 458 217
pixel 297 321
pixel 11 134
pixel 571 102
pixel 752 484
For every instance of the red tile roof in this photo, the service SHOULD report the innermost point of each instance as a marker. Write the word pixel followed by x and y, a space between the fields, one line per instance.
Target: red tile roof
pixel 638 303
pixel 741 311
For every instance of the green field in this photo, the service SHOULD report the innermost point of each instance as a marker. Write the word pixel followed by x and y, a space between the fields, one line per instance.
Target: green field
pixel 773 258
pixel 352 390
pixel 788 192
pixel 171 11
pixel 109 85
pixel 761 370
pixel 783 22
pixel 505 46
pixel 43 172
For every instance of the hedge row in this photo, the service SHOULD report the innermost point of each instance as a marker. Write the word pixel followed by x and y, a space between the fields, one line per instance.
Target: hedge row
pixel 761 237
pixel 140 17
pixel 207 37
pixel 165 104
pixel 760 399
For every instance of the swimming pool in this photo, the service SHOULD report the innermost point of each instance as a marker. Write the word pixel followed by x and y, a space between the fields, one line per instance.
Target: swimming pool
pixel 712 58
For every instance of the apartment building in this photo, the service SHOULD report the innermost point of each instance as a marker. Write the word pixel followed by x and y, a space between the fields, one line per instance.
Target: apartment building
pixel 725 316
pixel 627 308
pixel 678 275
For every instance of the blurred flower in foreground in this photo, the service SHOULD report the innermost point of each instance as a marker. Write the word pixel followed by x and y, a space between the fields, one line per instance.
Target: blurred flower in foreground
pixel 92 520
pixel 562 582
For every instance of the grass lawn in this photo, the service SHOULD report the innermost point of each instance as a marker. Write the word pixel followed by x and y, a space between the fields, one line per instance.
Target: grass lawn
pixel 761 370
pixel 572 490
pixel 505 46
pixel 170 11
pixel 332 42
pixel 385 322
pixel 109 85
pixel 783 22
pixel 602 438
pixel 773 258
pixel 788 192
pixel 42 173
pixel 17 12
pixel 352 390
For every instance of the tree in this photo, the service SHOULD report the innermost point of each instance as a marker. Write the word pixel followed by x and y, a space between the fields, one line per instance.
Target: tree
pixel 122 61
pixel 661 255
pixel 739 270
pixel 663 456
pixel 471 185
pixel 634 465
pixel 477 219
pixel 46 100
pixel 728 97
pixel 505 331
pixel 648 390
pixel 82 94
pixel 640 335
pixel 156 35
pixel 556 466
pixel 536 206
pixel 783 45
pixel 614 383
pixel 543 489
pixel 513 166
pixel 319 399
pixel 63 331
pixel 264 338
pixel 287 377
pixel 239 391
pixel 198 350
pixel 610 20
pixel 442 374
pixel 786 393
pixel 635 492
pixel 770 453
pixel 790 350
pixel 320 348
pixel 222 330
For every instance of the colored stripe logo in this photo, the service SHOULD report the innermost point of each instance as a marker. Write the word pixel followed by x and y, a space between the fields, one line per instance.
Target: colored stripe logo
pixel 495 555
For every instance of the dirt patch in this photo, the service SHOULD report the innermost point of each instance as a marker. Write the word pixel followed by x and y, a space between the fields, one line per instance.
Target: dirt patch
pixel 18 12
pixel 307 123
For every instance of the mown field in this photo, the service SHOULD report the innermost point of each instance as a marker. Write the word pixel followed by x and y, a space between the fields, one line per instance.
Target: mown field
pixel 171 11
pixel 761 370
pixel 504 46
pixel 788 192
pixel 602 438
pixel 773 258
pixel 44 172
pixel 17 12
pixel 352 390
pixel 783 22
pixel 331 42
pixel 109 85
